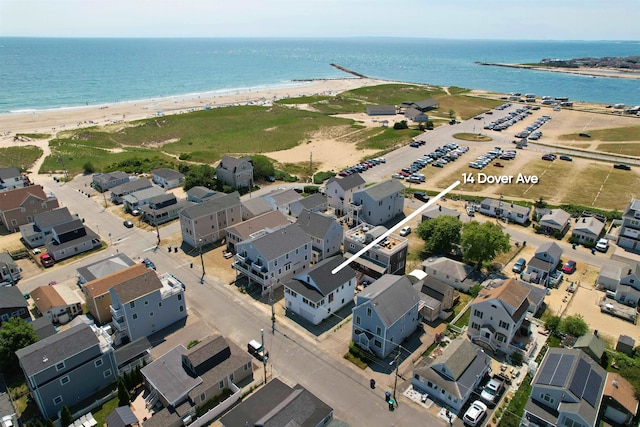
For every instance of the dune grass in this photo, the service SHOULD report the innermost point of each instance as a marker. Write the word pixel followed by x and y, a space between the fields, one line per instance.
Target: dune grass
pixel 22 157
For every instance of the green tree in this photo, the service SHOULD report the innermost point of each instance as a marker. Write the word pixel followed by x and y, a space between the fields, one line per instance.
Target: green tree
pixel 552 323
pixel 123 394
pixel 540 203
pixel 574 325
pixel 483 242
pixel 66 417
pixel 88 168
pixel 475 290
pixel 402 124
pixel 200 175
pixel 262 167
pixel 16 333
pixel 440 234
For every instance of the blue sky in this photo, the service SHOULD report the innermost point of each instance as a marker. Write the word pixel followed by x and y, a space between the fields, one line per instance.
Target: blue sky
pixel 462 19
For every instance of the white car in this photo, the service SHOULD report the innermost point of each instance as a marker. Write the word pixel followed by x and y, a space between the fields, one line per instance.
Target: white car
pixel 405 231
pixel 475 413
pixel 602 245
pixel 491 391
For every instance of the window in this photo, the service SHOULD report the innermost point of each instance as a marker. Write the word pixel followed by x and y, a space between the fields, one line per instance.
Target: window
pixel 357 320
pixel 568 422
pixel 64 380
pixel 369 311
pixel 546 397
pixel 203 396
pixel 221 385
pixel 231 377
pixel 160 304
pixel 377 343
pixel 98 363
pixel 106 373
pixel 378 330
pixel 179 297
pixel 60 366
pixel 475 326
pixel 146 302
pixel 57 400
pixel 132 304
pixel 478 313
pixel 504 325
pixel 181 308
pixel 135 316
pixel 151 314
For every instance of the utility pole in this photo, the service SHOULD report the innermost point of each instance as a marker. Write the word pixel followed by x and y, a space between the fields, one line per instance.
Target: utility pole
pixel 273 313
pixel 311 166
pixel 264 355
pixel 201 260
pixel 395 382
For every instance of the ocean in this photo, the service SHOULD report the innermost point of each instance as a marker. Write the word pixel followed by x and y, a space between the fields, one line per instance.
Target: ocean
pixel 49 73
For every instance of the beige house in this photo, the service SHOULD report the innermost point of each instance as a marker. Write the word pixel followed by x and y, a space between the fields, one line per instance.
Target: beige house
pixel 58 307
pixel 207 222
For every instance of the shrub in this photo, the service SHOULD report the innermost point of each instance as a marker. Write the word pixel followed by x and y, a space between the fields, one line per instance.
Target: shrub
pixel 184 156
pixel 88 168
pixel 284 176
pixel 401 125
pixel 320 177
pixel 311 189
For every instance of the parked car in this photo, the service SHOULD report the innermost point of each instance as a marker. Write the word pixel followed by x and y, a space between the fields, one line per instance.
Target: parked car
pixel 128 224
pixel 421 196
pixel 475 413
pixel 519 266
pixel 584 135
pixel 149 263
pixel 405 231
pixel 46 260
pixel 256 350
pixel 548 157
pixel 566 158
pixel 569 267
pixel 602 245
pixel 135 212
pixel 491 391
pixel 498 165
pixel 622 166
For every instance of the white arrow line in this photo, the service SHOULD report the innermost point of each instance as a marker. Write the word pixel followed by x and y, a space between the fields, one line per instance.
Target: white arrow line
pixel 394 228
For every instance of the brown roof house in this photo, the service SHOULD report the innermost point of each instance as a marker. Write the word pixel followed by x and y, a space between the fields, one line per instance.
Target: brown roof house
pixel 97 293
pixel 497 317
pixel 20 206
pixel 619 401
pixel 58 307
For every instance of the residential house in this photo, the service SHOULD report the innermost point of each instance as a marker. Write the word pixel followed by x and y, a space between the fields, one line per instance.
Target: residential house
pixel 629 235
pixel 389 256
pixel 96 292
pixel 254 207
pixel 36 233
pixel 436 298
pixel 452 377
pixel 167 178
pixel 13 304
pixel 505 210
pixel 340 191
pixel 456 274
pixel 9 270
pixel 163 209
pixel 277 404
pixel 566 390
pixel 587 229
pixel 146 304
pixel 619 401
pixel 381 110
pixel 536 294
pixel 315 203
pixel 19 206
pixel 11 178
pixel 270 259
pixel 325 233
pixel 621 276
pixel 415 115
pixel 498 317
pixel 43 327
pixel 141 198
pixel 591 344
pixel 106 181
pixel 104 267
pixel 254 227
pixel 545 261
pixel 59 304
pixel 424 105
pixel 235 172
pixel 385 313
pixel 197 375
pixel 282 200
pixel 70 365
pixel 317 293
pixel 133 355
pixel 199 194
pixel 120 191
pixel 122 416
pixel 625 345
pixel 437 211
pixel 70 239
pixel 556 221
pixel 379 203
pixel 206 222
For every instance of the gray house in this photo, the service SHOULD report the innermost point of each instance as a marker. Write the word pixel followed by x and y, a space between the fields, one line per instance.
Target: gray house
pixel 167 178
pixel 68 366
pixel 254 207
pixel 9 270
pixel 316 203
pixel 629 236
pixel 386 312
pixel 379 203
pixel 199 194
pixel 340 191
pixel 13 304
pixel 381 110
pixel 438 211
pixel 415 115
pixel 623 278
pixel 103 267
pixel 556 221
pixel 452 377
pixel 587 229
pixel 11 178
pixel 454 273
pixel 282 200
pixel 70 239
pixel 36 233
pixel 544 261
pixel 235 172
pixel 106 181
pixel 146 304
pixel 141 198
pixel 119 191
pixel 436 298
pixel 206 222
pixel 254 227
pixel 325 233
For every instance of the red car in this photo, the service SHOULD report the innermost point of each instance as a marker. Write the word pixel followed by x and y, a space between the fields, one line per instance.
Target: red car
pixel 498 165
pixel 46 260
pixel 569 267
pixel 405 174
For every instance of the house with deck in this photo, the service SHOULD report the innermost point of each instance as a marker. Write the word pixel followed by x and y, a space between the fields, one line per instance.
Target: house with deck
pixel 254 227
pixel 206 222
pixel 11 178
pixel 454 273
pixel 20 206
pixel 389 256
pixel 36 233
pixel 378 203
pixel 556 221
pixel 106 181
pixel 325 232
pixel 70 239
pixel 545 261
pixel 339 192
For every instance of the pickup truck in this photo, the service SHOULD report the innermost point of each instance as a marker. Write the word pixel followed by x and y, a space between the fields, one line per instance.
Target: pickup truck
pixel 256 350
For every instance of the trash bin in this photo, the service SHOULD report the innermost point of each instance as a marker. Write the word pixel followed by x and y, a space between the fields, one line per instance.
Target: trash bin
pixel 372 383
pixel 392 404
pixel 387 396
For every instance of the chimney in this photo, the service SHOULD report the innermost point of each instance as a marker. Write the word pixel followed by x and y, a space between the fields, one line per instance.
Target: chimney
pixel 614 383
pixel 595 332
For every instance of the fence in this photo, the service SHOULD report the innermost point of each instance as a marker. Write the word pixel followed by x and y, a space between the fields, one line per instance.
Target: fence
pixel 219 409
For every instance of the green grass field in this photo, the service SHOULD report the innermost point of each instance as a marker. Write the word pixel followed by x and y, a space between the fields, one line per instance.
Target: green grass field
pixel 472 137
pixel 23 157
pixel 625 133
pixel 628 149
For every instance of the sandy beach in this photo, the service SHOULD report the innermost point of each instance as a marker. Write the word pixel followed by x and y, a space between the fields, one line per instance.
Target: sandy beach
pixel 583 71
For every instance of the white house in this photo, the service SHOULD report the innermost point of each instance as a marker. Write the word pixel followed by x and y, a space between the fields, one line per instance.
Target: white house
pixel 317 293
pixel 587 229
pixel 507 210
pixel 544 261
pixel 167 178
pixel 325 233
pixel 340 191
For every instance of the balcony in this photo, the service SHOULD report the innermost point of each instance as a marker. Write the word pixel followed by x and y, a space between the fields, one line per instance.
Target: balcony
pixel 116 312
pixel 254 272
pixel 120 324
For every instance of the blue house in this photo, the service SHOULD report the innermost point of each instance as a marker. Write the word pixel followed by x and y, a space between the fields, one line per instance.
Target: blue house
pixel 385 314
